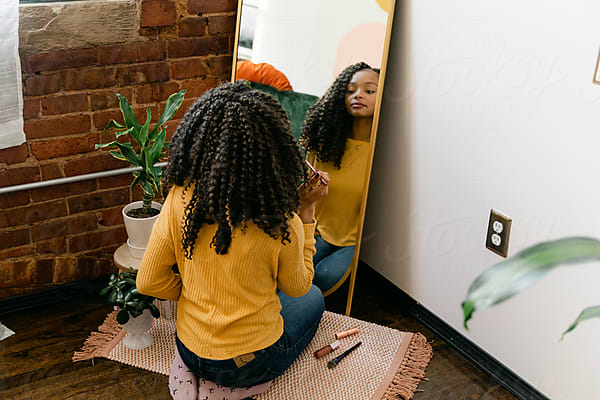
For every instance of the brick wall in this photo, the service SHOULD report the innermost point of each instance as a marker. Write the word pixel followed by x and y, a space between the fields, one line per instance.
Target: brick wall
pixel 64 233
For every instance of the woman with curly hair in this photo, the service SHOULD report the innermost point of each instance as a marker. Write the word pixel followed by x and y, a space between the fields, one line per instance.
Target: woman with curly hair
pixel 336 135
pixel 242 234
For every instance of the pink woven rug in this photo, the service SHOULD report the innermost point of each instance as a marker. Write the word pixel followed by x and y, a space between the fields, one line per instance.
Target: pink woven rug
pixel 388 365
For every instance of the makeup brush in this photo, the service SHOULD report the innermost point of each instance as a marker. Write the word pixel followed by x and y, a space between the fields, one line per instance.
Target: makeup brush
pixel 335 361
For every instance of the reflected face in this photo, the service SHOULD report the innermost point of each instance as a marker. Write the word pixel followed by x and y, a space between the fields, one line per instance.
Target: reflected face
pixel 361 94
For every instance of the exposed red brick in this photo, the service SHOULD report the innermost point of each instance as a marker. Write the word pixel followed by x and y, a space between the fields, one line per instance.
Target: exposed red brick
pixel 189 68
pixel 18 174
pixel 111 216
pixel 156 92
pixel 183 109
pixel 64 104
pixel 31 108
pixel 57 126
pixel 53 246
pixel 61 59
pixel 16 252
pixel 64 226
pixel 6 274
pixel 9 200
pixel 192 26
pixel 221 24
pixel 89 78
pixel 97 239
pixel 44 270
pixel 51 171
pixel 15 154
pixel 11 292
pixel 101 100
pixel 39 85
pixel 134 52
pixel 102 161
pixel 115 181
pixel 190 47
pixel 211 6
pixel 197 87
pixel 65 146
pixel 158 13
pixel 63 191
pixel 32 213
pixel 14 237
pixel 23 272
pixel 171 128
pixel 142 73
pixel 64 269
pixel 221 64
pixel 98 200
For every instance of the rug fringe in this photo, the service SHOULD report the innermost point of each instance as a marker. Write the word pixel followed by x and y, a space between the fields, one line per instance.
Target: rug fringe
pixel 411 371
pixel 97 341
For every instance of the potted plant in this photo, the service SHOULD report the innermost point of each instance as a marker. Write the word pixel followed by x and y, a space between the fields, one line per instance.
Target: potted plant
pixel 137 311
pixel 147 148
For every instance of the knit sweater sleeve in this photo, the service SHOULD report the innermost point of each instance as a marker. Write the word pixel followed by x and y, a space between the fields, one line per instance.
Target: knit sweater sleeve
pixel 295 272
pixel 155 276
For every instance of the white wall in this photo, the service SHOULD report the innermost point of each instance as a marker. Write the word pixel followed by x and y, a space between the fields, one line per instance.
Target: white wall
pixel 491 105
pixel 300 38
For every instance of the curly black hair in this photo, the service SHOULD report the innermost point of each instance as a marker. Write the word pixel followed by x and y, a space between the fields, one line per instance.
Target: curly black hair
pixel 327 123
pixel 234 148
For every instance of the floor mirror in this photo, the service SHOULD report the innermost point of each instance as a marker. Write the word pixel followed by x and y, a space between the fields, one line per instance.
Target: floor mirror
pixel 298 52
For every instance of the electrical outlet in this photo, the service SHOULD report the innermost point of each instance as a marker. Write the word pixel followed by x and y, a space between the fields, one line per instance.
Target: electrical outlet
pixel 498 233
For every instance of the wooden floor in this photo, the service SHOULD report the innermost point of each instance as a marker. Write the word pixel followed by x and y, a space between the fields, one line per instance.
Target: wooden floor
pixel 35 363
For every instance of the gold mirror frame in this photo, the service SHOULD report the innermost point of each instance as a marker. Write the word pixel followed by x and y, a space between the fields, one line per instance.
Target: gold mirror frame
pixel 353 268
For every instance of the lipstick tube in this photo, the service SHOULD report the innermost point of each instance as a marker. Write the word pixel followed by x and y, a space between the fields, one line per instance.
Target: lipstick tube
pixel 348 332
pixel 327 349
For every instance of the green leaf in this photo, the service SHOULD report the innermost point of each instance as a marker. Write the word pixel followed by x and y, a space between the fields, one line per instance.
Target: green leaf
pixel 112 298
pixel 144 142
pixel 173 103
pixel 129 154
pixel 114 125
pixel 117 155
pixel 504 280
pixel 136 180
pixel 147 187
pixel 590 312
pixel 104 291
pixel 154 310
pixel 121 133
pixel 122 317
pixel 157 148
pixel 128 115
pixel 135 313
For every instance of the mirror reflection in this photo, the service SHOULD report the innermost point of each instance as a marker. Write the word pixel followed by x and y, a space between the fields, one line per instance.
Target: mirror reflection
pixel 321 60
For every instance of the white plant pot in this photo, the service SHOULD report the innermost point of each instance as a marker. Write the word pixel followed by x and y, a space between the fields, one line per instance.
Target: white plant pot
pixel 138 229
pixel 137 337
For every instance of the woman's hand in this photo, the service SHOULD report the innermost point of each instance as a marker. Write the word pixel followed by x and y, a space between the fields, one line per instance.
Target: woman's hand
pixel 310 192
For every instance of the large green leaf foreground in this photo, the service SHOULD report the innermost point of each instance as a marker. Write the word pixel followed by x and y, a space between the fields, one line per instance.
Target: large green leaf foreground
pixel 504 280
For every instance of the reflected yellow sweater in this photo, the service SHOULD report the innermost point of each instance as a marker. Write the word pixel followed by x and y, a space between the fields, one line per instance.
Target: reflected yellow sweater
pixel 337 214
pixel 228 303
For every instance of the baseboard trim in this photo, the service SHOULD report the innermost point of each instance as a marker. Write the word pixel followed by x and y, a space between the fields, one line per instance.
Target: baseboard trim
pixel 469 350
pixel 81 292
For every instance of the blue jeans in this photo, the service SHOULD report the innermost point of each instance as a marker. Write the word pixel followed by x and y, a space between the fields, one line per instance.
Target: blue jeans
pixel 331 263
pixel 301 317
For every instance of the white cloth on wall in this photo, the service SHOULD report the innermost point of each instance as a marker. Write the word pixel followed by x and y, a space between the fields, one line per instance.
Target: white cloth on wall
pixel 11 92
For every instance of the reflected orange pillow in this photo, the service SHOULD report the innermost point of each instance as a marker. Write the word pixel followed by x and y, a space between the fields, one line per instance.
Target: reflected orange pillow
pixel 262 73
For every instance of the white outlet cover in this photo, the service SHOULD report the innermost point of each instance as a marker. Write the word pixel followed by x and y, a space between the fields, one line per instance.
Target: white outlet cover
pixel 498 226
pixel 496 239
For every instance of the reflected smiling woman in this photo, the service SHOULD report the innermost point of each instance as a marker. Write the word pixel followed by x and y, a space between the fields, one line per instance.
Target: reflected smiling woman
pixel 336 136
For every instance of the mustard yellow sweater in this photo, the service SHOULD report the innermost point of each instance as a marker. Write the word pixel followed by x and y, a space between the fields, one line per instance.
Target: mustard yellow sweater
pixel 228 304
pixel 338 213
